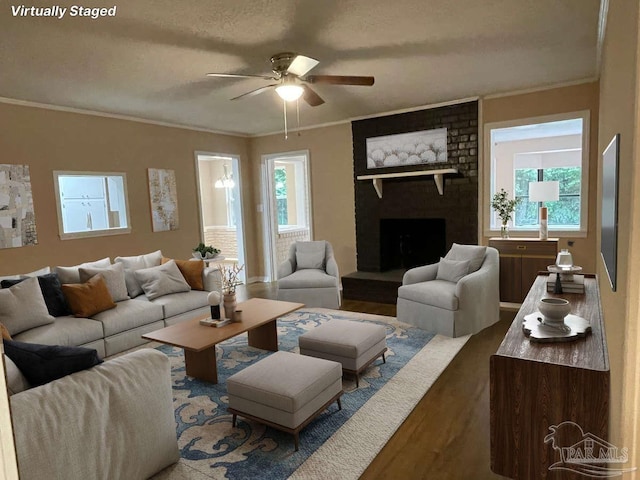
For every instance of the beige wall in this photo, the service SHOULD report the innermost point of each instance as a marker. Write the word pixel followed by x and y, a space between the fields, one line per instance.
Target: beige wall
pixel 214 200
pixel 619 114
pixel 548 102
pixel 332 191
pixel 48 140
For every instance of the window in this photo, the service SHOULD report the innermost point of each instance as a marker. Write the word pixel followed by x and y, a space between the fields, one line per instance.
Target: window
pixel 91 204
pixel 534 150
pixel 291 204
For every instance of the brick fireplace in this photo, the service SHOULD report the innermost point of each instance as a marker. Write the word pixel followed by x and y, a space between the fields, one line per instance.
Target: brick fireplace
pixel 412 224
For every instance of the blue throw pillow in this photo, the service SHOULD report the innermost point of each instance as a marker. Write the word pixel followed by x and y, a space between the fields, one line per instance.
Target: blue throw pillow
pixel 42 364
pixel 51 291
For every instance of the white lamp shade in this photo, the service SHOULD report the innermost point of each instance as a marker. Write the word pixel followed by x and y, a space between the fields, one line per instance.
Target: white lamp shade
pixel 289 92
pixel 544 191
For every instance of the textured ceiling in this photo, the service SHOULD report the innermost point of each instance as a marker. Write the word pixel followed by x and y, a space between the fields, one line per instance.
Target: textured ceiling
pixel 150 60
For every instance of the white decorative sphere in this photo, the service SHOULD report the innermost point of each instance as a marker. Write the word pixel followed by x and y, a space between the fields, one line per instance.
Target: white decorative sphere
pixel 213 298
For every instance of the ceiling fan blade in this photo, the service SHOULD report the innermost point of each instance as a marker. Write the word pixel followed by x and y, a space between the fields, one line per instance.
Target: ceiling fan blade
pixel 340 80
pixel 237 75
pixel 255 92
pixel 311 97
pixel 301 65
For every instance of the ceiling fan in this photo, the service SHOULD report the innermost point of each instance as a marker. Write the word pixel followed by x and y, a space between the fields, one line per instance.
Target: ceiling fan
pixel 290 72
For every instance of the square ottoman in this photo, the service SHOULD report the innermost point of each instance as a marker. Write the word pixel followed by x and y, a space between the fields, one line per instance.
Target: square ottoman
pixel 285 391
pixel 354 344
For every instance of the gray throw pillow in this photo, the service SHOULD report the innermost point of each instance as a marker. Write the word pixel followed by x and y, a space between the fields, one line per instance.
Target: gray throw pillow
pixel 113 277
pixel 22 307
pixel 161 280
pixel 138 262
pixel 72 274
pixel 310 254
pixel 473 253
pixel 452 270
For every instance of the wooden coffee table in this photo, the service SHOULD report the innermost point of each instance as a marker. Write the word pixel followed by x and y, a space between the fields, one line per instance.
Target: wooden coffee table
pixel 199 341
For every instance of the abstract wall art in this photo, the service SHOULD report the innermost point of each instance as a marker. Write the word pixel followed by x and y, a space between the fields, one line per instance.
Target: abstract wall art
pixel 163 194
pixel 17 218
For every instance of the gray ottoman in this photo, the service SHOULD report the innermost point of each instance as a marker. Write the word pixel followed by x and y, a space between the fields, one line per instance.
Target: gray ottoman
pixel 285 391
pixel 354 344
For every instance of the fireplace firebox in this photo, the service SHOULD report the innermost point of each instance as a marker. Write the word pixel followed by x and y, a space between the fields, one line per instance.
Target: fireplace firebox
pixel 410 242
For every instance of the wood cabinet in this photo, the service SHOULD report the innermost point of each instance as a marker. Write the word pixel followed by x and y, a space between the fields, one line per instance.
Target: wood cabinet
pixel 534 386
pixel 520 261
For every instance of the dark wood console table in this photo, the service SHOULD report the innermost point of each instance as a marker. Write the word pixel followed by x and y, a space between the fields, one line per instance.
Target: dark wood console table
pixel 537 385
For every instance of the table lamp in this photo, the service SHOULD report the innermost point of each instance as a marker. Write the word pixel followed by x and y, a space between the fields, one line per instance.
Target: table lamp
pixel 214 303
pixel 544 192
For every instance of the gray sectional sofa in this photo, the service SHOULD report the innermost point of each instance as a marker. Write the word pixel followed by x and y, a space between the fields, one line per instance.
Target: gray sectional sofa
pixel 120 328
pixel 115 420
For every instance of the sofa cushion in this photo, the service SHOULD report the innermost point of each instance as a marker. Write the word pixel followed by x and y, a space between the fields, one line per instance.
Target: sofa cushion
pixel 16 381
pixel 72 274
pixel 177 303
pixel 162 280
pixel 473 253
pixel 113 276
pixel 41 364
pixel 310 254
pixel 307 278
pixel 131 264
pixel 22 307
pixel 452 270
pixel 438 293
pixel 51 289
pixel 127 315
pixel 191 270
pixel 35 273
pixel 68 331
pixel 89 298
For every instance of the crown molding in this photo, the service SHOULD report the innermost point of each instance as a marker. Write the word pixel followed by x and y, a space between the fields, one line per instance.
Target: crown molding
pixel 95 113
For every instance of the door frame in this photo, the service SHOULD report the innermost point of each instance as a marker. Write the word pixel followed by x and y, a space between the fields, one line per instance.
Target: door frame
pixel 236 166
pixel 269 224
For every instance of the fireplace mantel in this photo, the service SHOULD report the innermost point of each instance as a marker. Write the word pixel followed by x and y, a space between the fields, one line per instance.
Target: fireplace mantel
pixel 437 177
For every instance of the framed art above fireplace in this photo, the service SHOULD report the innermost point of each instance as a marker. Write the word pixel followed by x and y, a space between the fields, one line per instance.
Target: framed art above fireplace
pixel 404 149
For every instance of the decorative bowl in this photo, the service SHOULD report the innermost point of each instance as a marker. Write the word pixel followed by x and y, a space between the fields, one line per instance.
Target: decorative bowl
pixel 554 309
pixel 207 256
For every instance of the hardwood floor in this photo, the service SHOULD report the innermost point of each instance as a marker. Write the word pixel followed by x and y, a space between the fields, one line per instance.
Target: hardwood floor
pixel 447 434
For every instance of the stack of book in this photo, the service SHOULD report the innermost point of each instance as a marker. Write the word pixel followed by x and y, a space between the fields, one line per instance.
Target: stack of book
pixel 576 285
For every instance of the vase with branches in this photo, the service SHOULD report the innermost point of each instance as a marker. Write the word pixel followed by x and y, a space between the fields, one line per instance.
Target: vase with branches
pixel 230 281
pixel 504 207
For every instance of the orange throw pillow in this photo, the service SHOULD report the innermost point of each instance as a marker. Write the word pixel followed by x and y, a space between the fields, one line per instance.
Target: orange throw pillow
pixel 5 333
pixel 191 270
pixel 87 299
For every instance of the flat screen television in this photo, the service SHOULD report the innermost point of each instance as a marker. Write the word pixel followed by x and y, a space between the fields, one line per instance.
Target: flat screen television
pixel 609 228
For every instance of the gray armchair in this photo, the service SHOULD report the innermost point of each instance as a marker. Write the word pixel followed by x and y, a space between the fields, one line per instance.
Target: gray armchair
pixel 310 275
pixel 453 308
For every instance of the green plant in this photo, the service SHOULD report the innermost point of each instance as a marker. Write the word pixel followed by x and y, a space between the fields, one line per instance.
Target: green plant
pixel 203 249
pixel 503 205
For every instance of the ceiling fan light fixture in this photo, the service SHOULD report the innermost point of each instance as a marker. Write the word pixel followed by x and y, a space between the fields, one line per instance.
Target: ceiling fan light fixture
pixel 289 92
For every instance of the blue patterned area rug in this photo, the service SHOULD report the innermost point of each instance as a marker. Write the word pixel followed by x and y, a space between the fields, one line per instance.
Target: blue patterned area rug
pixel 211 448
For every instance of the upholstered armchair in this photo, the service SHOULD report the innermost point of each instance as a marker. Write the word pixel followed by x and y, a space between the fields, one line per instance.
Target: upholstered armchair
pixel 310 275
pixel 457 296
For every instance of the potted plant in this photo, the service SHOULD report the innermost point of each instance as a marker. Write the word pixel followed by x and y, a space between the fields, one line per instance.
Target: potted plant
pixel 205 252
pixel 504 208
